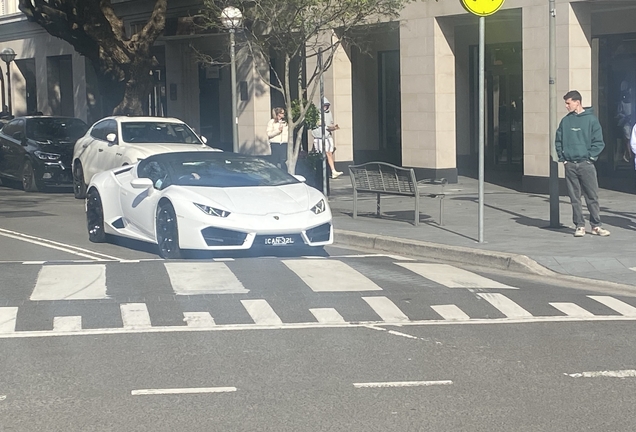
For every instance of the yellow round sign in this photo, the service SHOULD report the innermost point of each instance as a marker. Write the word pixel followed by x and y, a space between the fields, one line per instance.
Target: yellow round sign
pixel 482 7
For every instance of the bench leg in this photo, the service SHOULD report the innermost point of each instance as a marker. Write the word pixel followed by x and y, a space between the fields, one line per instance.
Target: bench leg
pixel 417 209
pixel 377 206
pixel 355 203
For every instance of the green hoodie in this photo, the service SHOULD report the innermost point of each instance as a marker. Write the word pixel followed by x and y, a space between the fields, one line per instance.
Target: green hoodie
pixel 579 137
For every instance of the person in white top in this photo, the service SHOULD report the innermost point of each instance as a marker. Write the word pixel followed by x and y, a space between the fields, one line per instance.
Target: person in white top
pixel 632 142
pixel 277 133
pixel 330 127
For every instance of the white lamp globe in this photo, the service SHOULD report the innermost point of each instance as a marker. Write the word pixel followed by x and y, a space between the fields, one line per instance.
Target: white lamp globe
pixel 231 17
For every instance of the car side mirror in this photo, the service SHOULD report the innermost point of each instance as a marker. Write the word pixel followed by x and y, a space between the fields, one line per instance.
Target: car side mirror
pixel 142 183
pixel 204 139
pixel 300 178
pixel 19 135
pixel 111 138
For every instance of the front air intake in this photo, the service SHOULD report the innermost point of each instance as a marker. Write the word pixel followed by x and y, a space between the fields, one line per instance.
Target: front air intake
pixel 223 237
pixel 320 233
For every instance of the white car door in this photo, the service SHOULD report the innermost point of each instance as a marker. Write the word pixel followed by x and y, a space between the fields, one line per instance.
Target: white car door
pixel 139 205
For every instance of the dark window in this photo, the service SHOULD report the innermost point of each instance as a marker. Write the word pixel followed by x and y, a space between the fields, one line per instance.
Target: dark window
pixel 99 130
pixel 59 129
pixel 158 132
pixel 11 128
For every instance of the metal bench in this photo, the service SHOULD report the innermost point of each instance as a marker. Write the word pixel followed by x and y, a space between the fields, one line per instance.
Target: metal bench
pixel 382 178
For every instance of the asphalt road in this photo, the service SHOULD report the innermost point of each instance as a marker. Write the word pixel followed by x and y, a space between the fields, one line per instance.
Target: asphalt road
pixel 108 338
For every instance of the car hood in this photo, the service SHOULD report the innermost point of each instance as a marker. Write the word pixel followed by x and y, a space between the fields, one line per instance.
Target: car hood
pixel 145 150
pixel 257 200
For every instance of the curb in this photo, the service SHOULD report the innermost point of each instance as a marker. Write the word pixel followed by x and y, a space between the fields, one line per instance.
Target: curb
pixel 400 246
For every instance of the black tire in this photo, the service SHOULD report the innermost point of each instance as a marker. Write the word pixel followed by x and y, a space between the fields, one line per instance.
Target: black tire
pixel 29 181
pixel 79 184
pixel 167 232
pixel 95 217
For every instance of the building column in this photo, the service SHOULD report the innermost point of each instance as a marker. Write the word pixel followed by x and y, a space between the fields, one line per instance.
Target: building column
pixel 254 105
pixel 574 72
pixel 428 97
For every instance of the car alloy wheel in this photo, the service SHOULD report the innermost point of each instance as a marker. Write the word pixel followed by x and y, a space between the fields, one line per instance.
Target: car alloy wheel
pixel 95 217
pixel 79 184
pixel 167 232
pixel 29 183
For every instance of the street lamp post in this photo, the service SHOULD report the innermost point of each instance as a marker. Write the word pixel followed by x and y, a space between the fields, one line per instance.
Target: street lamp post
pixel 232 18
pixel 8 55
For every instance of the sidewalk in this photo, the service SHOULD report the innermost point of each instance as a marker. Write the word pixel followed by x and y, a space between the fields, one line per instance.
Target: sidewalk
pixel 516 230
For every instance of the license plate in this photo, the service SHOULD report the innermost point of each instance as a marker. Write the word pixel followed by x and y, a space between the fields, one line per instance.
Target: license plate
pixel 279 241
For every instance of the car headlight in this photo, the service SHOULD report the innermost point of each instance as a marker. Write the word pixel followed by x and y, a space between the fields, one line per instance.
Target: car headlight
pixel 320 207
pixel 47 156
pixel 212 211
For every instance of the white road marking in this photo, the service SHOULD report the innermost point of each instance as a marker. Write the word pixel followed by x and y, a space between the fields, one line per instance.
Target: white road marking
pixel 619 306
pixel 67 323
pixel 223 259
pixel 452 277
pixel 327 315
pixel 393 257
pixel 199 319
pixel 96 256
pixel 330 276
pixel 571 309
pixel 402 384
pixel 397 333
pixel 8 316
pixel 629 373
pixel 70 282
pixel 309 325
pixel 189 278
pixel 33 262
pixel 261 312
pixel 450 312
pixel 3 397
pixel 135 315
pixel 505 305
pixel 386 309
pixel 199 390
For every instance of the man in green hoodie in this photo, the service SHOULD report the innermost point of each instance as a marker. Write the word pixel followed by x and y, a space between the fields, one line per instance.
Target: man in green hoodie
pixel 579 141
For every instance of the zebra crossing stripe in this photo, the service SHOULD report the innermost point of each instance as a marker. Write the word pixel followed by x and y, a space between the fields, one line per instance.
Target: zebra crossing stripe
pixel 8 316
pixel 450 312
pixel 67 323
pixel 135 315
pixel 203 278
pixel 452 277
pixel 619 306
pixel 199 319
pixel 327 316
pixel 70 282
pixel 261 312
pixel 505 305
pixel 386 309
pixel 330 276
pixel 571 309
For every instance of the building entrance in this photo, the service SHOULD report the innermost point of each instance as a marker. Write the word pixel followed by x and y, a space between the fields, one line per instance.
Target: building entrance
pixel 504 107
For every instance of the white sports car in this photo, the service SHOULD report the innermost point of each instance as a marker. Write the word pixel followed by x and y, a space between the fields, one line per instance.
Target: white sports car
pixel 207 201
pixel 119 140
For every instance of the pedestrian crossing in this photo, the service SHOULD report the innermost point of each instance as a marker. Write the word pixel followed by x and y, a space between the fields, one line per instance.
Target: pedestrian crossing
pixel 207 295
pixel 135 317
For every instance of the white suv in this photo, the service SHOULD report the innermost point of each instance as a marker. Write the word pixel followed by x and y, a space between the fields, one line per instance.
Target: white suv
pixel 117 141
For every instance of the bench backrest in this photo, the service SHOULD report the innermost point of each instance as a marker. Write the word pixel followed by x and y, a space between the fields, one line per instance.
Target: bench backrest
pixel 384 177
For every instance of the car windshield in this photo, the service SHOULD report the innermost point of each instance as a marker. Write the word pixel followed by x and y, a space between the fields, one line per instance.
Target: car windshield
pixel 158 132
pixel 228 172
pixel 55 129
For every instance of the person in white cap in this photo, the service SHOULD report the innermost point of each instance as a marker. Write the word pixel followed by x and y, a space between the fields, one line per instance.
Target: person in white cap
pixel 330 126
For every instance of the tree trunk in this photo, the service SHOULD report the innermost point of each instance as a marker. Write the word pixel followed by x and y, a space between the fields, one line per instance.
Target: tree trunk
pixel 138 86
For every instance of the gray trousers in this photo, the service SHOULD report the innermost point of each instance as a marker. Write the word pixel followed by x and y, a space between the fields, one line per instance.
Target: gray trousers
pixel 580 178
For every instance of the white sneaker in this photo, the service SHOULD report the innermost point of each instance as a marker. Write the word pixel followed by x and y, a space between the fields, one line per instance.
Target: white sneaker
pixel 336 174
